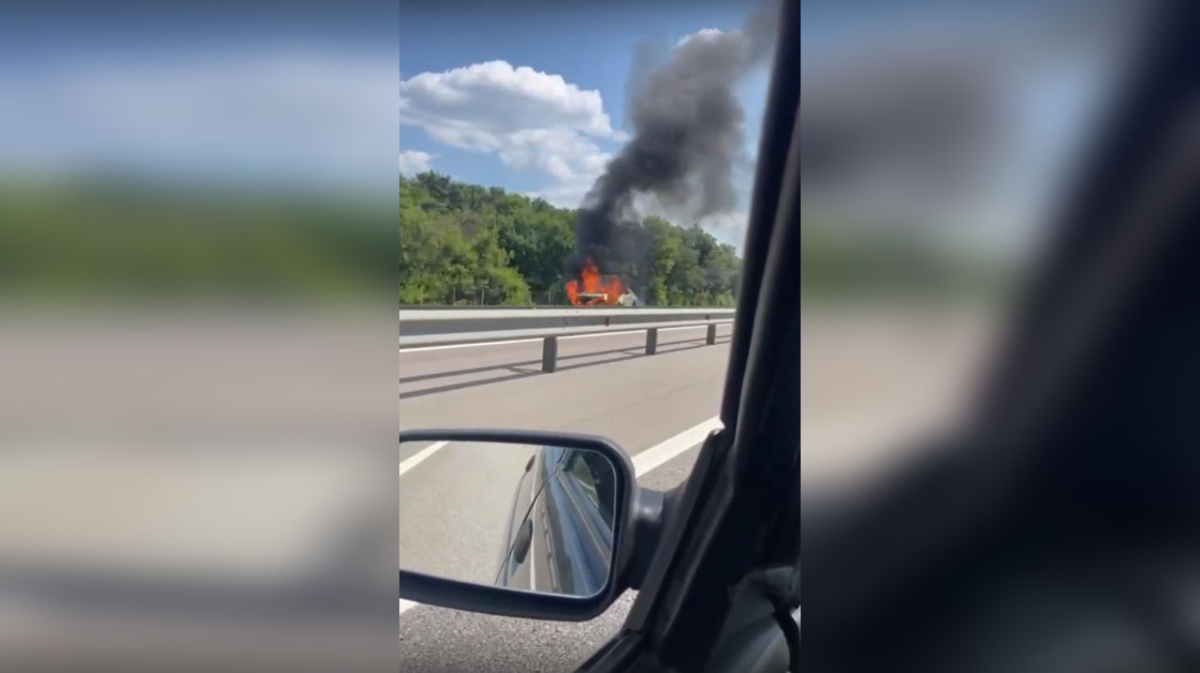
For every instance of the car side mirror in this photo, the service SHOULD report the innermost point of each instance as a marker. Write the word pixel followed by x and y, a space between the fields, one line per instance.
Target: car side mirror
pixel 519 523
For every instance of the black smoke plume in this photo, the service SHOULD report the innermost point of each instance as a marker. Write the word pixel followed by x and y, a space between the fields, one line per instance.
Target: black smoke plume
pixel 687 138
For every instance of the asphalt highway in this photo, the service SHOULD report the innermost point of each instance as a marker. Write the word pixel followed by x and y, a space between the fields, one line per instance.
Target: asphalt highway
pixel 604 385
pixel 452 515
pixel 188 469
pixel 867 379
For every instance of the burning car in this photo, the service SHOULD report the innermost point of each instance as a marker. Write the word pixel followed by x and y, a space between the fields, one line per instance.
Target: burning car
pixel 592 288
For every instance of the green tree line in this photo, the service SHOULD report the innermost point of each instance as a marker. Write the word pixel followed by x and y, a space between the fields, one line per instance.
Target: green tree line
pixel 90 240
pixel 468 244
pixel 836 263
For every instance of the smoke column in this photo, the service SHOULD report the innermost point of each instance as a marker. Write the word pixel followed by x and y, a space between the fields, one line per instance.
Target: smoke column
pixel 687 137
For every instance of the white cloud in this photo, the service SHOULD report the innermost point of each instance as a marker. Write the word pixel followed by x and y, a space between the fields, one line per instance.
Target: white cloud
pixel 527 118
pixel 539 121
pixel 413 162
pixel 567 194
pixel 497 97
pixel 728 227
pixel 703 34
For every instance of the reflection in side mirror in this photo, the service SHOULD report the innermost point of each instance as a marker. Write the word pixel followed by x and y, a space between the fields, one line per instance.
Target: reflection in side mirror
pixel 534 517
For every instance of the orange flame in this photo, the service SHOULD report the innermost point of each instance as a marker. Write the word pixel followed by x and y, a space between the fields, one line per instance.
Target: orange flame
pixel 592 289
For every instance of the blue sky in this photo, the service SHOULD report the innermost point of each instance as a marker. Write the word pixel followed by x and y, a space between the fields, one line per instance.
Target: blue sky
pixel 303 93
pixel 256 95
pixel 529 97
pixel 589 46
pixel 1044 69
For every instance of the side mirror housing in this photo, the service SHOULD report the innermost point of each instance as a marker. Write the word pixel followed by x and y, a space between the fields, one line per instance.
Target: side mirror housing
pixel 541 525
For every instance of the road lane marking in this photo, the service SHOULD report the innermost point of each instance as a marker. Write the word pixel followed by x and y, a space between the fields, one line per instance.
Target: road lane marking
pixel 420 349
pixel 664 451
pixel 647 460
pixel 406 605
pixel 420 456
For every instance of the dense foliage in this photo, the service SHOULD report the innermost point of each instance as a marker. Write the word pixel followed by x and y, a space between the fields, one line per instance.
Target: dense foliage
pixel 466 244
pixel 835 264
pixel 95 241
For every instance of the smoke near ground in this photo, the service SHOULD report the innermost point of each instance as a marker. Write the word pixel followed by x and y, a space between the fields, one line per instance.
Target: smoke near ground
pixel 687 139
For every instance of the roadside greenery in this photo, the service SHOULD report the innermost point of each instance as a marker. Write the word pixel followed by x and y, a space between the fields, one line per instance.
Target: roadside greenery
pixel 467 244
pixel 458 244
pixel 839 266
pixel 88 242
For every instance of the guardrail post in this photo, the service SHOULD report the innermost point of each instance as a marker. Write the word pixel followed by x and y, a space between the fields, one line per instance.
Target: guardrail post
pixel 711 337
pixel 652 341
pixel 549 354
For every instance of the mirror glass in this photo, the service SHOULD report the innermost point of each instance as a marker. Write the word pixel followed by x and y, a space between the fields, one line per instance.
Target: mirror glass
pixel 521 516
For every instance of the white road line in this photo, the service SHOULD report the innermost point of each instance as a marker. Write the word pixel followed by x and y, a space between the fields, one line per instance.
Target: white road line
pixel 420 456
pixel 405 466
pixel 664 451
pixel 421 349
pixel 643 462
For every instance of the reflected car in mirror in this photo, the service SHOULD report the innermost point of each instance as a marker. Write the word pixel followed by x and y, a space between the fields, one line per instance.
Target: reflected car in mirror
pixel 560 532
pixel 518 523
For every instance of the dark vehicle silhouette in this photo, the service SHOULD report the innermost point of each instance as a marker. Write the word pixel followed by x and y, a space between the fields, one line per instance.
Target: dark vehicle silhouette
pixel 560 531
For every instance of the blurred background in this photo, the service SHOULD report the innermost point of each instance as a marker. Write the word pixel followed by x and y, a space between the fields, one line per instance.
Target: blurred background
pixel 937 140
pixel 197 296
pixel 964 164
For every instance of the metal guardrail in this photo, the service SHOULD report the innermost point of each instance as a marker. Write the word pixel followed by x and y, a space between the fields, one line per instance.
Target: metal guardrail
pixel 436 314
pixel 633 320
